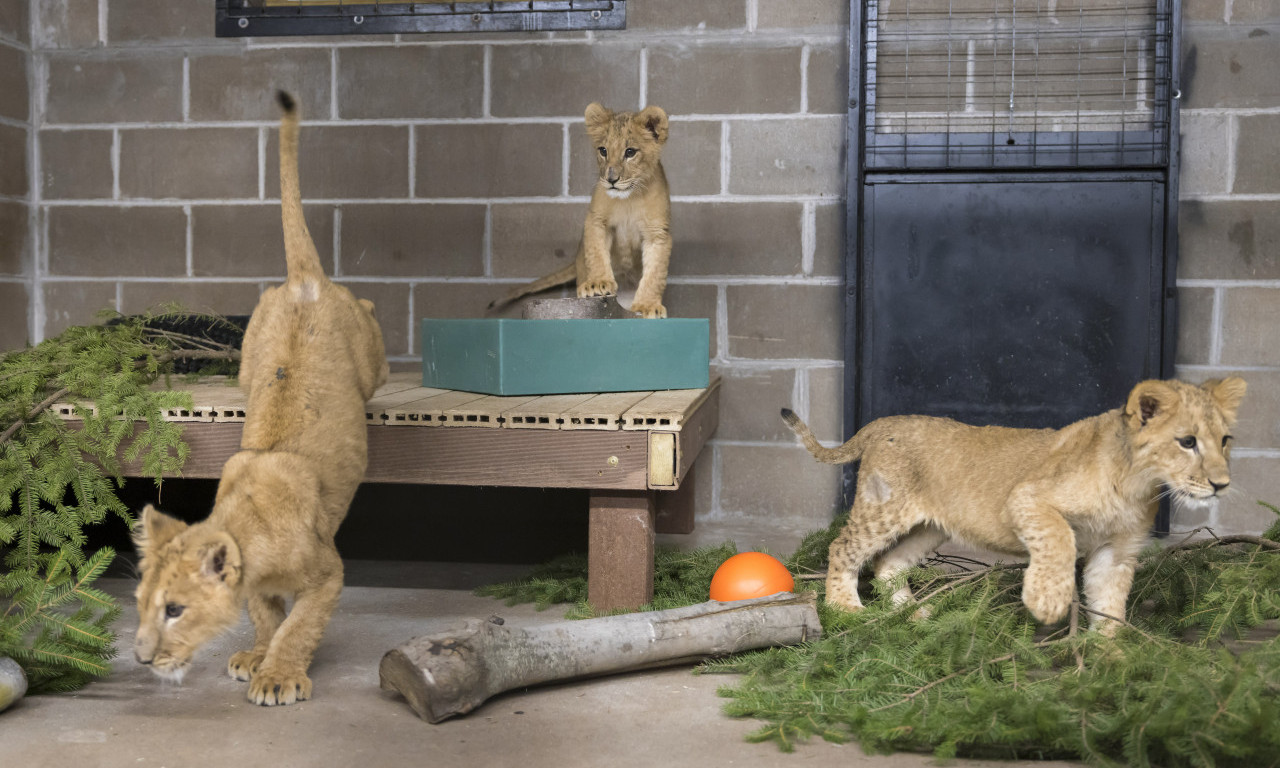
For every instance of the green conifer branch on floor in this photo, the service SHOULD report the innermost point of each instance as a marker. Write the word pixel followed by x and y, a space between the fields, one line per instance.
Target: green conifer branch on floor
pixel 58 476
pixel 1192 678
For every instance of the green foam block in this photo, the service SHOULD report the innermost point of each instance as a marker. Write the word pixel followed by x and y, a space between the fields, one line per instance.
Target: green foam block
pixel 500 356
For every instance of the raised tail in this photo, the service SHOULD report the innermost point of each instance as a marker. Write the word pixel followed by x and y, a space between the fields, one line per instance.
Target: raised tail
pixel 845 454
pixel 301 258
pixel 559 277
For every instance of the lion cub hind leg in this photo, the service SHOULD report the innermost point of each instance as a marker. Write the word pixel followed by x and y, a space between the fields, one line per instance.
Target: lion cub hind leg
pixel 906 554
pixel 873 528
pixel 267 613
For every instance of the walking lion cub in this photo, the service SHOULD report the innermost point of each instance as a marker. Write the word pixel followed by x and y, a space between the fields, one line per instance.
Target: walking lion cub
pixel 1088 490
pixel 312 356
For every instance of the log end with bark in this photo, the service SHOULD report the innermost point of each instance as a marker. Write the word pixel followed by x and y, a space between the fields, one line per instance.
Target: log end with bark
pixel 453 672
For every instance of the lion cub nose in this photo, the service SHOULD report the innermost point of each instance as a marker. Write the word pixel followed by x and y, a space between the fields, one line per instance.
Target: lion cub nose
pixel 1217 487
pixel 141 660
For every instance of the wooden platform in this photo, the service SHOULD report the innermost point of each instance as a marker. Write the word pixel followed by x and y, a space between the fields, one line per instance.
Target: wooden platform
pixel 633 451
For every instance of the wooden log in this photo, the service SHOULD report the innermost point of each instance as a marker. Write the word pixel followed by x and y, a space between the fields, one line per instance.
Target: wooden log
pixel 453 672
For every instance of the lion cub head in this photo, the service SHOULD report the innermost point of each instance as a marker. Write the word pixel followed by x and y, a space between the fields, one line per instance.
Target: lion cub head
pixel 628 147
pixel 1182 434
pixel 187 594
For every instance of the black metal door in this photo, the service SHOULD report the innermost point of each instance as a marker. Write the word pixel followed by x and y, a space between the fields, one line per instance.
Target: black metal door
pixel 1012 198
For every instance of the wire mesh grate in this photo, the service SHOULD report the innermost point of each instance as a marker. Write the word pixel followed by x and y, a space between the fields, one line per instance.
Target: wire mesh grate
pixel 1017 83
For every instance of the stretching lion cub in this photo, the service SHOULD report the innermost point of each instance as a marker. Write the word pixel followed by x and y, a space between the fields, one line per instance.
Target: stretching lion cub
pixel 1087 489
pixel 312 357
pixel 628 226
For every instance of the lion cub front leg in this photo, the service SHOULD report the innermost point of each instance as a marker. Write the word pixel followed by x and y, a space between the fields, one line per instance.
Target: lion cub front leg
pixel 282 676
pixel 1049 586
pixel 595 262
pixel 655 256
pixel 267 613
pixel 1108 576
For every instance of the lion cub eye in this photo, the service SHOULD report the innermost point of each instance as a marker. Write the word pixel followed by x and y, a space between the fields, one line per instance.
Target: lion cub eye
pixel 603 152
pixel 630 153
pixel 1187 442
pixel 173 610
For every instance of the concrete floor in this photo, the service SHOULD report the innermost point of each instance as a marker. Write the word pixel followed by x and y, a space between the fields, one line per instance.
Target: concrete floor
pixel 665 717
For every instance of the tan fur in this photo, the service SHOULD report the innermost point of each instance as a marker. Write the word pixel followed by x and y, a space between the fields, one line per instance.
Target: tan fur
pixel 1088 490
pixel 628 226
pixel 312 356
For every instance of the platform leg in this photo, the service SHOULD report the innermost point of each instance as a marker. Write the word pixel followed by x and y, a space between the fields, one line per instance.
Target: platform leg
pixel 675 508
pixel 620 549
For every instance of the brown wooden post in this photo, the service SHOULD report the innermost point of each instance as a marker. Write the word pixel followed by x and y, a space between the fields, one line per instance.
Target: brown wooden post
pixel 675 508
pixel 620 549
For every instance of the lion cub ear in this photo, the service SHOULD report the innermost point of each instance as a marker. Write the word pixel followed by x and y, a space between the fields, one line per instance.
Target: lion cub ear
pixel 1227 393
pixel 1148 400
pixel 220 560
pixel 654 121
pixel 597 118
pixel 154 529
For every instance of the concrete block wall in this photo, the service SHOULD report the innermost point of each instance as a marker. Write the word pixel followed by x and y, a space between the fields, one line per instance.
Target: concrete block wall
pixel 1229 232
pixel 15 186
pixel 439 170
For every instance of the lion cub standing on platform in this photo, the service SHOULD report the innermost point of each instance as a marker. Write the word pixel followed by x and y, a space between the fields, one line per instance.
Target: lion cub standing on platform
pixel 628 226
pixel 312 356
pixel 1085 490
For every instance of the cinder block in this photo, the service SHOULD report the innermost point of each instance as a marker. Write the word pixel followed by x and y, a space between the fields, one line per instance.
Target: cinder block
pixel 694 301
pixel 1249 318
pixel 718 78
pixel 114 87
pixel 190 163
pixel 447 81
pixel 1257 162
pixel 690 159
pixel 826 403
pixel 391 301
pixel 1258 479
pixel 783 322
pixel 1195 325
pixel 14 101
pixel 15 256
pixel 66 24
pixel 684 16
pixel 787 157
pixel 14 181
pixel 830 16
pixel 1228 67
pixel 242 85
pixel 736 239
pixel 1203 10
pixel 75 165
pixel 1206 154
pixel 449 299
pixel 750 399
pixel 534 239
pixel 412 240
pixel 828 80
pixel 1259 418
pixel 14 306
pixel 1229 239
pixel 1254 12
pixel 105 241
pixel 248 240
pixel 489 160
pixel 204 296
pixel 15 21
pixel 68 303
pixel 346 161
pixel 778 480
pixel 560 80
pixel 161 21
pixel 829 245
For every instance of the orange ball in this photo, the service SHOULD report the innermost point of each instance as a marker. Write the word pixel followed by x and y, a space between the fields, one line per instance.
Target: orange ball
pixel 748 575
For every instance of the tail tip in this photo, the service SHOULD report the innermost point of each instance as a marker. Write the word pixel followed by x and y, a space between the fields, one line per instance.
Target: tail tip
pixel 789 415
pixel 287 102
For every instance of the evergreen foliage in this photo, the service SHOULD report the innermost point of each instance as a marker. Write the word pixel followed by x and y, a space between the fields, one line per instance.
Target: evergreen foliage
pixel 58 476
pixel 1188 681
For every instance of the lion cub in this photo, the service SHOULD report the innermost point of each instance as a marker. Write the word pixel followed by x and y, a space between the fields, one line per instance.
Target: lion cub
pixel 1085 490
pixel 628 226
pixel 312 357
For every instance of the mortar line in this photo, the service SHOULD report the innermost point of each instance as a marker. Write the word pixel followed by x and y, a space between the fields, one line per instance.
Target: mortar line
pixel 808 236
pixel 804 78
pixel 333 84
pixel 486 82
pixel 262 163
pixel 1215 329
pixel 115 165
pixel 190 241
pixel 102 22
pixel 413 162
pixel 644 77
pixel 337 240
pixel 186 89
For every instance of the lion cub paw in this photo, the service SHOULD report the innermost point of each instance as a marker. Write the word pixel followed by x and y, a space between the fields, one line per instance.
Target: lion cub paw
pixel 271 687
pixel 649 311
pixel 1048 599
pixel 598 288
pixel 244 665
